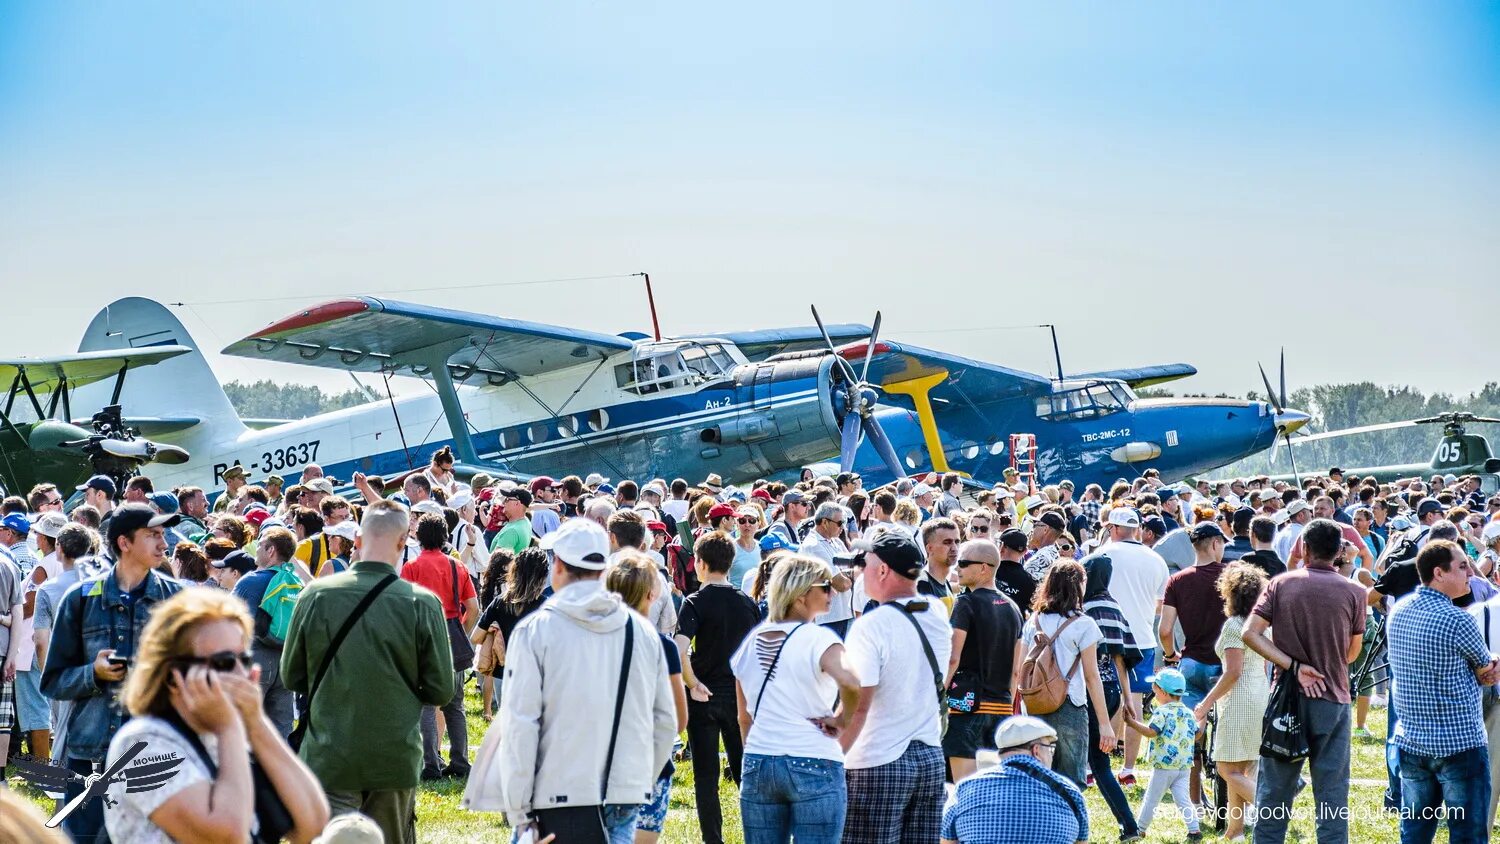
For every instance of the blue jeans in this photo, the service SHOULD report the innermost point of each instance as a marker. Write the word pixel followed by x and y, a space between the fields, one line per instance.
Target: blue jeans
pixel 782 797
pixel 1201 677
pixel 1460 783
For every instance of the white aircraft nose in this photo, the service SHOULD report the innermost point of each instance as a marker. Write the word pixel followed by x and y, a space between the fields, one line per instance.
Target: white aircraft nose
pixel 1288 421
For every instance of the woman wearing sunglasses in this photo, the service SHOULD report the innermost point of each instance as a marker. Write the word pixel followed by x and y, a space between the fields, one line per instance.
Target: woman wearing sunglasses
pixel 747 524
pixel 213 767
pixel 788 672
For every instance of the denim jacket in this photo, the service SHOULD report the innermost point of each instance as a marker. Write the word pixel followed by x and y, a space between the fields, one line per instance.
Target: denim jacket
pixel 90 619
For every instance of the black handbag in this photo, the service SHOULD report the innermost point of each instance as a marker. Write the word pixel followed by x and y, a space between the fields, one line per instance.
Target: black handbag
pixel 585 824
pixel 458 638
pixel 273 820
pixel 1284 729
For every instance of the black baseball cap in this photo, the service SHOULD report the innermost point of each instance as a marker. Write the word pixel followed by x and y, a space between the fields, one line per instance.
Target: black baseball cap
pixel 1053 520
pixel 900 552
pixel 130 518
pixel 1429 505
pixel 103 483
pixel 237 560
pixel 1207 530
pixel 520 493
pixel 1155 524
pixel 1013 539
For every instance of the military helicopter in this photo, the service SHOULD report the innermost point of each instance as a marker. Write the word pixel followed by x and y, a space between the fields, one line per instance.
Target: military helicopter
pixel 40 442
pixel 1457 453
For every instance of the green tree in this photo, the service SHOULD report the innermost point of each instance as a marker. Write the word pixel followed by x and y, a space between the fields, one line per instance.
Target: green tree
pixel 266 399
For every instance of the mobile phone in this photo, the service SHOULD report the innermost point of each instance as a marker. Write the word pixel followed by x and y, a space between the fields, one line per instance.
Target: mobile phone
pixel 118 661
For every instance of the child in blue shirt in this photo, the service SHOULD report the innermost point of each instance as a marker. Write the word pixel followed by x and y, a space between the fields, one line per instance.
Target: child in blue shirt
pixel 1171 730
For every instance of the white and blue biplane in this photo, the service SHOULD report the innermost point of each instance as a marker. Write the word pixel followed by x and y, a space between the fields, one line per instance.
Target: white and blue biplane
pixel 526 398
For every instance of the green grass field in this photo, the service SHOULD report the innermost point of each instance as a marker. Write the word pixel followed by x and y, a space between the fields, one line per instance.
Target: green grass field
pixel 440 820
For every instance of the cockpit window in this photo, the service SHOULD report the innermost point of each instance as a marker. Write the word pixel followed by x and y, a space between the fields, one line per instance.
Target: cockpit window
pixel 1084 400
pixel 673 365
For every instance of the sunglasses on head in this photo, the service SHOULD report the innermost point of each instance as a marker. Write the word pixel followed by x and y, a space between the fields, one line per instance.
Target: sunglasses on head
pixel 222 662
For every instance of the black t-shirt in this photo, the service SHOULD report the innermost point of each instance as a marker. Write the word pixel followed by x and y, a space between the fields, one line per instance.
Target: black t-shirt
pixel 1014 583
pixel 502 613
pixel 929 585
pixel 716 618
pixel 1267 560
pixel 993 624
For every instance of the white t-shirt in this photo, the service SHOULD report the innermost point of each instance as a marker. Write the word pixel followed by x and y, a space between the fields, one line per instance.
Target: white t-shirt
pixel 1138 583
pixel 1079 635
pixel 1491 635
pixel 840 604
pixel 129 819
pixel 677 508
pixel 26 658
pixel 1286 538
pixel 884 651
pixel 797 691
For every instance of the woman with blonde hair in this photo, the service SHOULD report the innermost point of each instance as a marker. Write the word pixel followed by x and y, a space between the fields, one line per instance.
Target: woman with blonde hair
pixel 1240 696
pixel 194 692
pixel 908 515
pixel 634 577
pixel 788 671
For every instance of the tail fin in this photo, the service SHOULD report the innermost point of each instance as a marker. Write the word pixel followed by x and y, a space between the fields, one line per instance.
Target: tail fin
pixel 183 393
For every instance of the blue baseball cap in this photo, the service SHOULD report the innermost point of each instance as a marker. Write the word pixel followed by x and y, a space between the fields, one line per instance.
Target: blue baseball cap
pixel 1171 681
pixel 606 489
pixel 16 522
pixel 103 483
pixel 773 542
pixel 164 501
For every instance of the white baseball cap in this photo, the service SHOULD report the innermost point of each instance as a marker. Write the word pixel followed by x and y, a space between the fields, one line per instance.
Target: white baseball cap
pixel 428 506
pixel 322 485
pixel 579 542
pixel 50 524
pixel 595 479
pixel 346 529
pixel 1124 517
pixel 1490 533
pixel 920 490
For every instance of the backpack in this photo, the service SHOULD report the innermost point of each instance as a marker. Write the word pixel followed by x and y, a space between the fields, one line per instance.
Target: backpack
pixel 280 599
pixel 1044 687
pixel 1402 548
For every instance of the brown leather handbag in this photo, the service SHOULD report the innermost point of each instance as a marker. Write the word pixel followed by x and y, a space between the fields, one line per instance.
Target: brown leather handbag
pixel 491 656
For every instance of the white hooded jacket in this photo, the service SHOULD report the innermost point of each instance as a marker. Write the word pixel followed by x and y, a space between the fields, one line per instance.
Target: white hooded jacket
pixel 562 673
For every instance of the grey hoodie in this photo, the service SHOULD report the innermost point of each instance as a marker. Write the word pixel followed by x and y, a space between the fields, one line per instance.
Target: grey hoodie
pixel 562 673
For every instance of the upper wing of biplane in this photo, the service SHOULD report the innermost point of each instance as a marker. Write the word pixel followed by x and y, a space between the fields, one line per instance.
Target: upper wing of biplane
pixel 900 368
pixel 365 334
pixel 44 374
pixel 761 344
pixel 1144 376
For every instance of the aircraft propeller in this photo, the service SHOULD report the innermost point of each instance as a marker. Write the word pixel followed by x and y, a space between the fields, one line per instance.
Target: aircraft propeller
pixel 118 451
pixel 860 397
pixel 1287 421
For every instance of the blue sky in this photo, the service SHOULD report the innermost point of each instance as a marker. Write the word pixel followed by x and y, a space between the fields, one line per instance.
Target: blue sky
pixel 1165 181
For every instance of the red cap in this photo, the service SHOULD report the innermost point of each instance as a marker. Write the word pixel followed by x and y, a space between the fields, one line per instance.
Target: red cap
pixel 720 510
pixel 541 482
pixel 487 493
pixel 762 493
pixel 257 515
pixel 658 527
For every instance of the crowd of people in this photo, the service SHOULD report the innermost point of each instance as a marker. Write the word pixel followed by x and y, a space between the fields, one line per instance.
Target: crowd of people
pixel 922 661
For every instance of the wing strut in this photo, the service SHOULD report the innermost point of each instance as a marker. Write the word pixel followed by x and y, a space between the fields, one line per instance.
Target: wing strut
pixel 406 452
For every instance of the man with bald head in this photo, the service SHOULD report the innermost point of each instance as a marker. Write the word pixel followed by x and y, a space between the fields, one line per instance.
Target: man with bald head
pixel 986 655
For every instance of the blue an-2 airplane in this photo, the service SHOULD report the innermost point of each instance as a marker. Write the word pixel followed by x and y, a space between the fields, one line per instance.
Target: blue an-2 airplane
pixel 529 398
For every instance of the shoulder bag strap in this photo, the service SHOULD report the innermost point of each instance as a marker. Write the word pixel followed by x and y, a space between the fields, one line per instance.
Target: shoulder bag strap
pixel 338 640
pixel 453 564
pixel 772 667
pixel 937 673
pixel 1056 787
pixel 614 729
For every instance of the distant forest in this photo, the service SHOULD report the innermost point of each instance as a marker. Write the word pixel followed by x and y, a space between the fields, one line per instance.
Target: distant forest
pixel 1332 406
pixel 267 399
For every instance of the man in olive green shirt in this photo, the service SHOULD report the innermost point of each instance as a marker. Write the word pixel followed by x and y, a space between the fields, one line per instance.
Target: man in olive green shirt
pixel 364 740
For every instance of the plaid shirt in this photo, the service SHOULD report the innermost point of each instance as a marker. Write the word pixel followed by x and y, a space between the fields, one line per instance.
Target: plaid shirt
pixel 1014 802
pixel 1434 649
pixel 1090 509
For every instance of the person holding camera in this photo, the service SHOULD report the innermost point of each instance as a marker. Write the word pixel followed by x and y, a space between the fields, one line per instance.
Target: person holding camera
pixel 93 640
